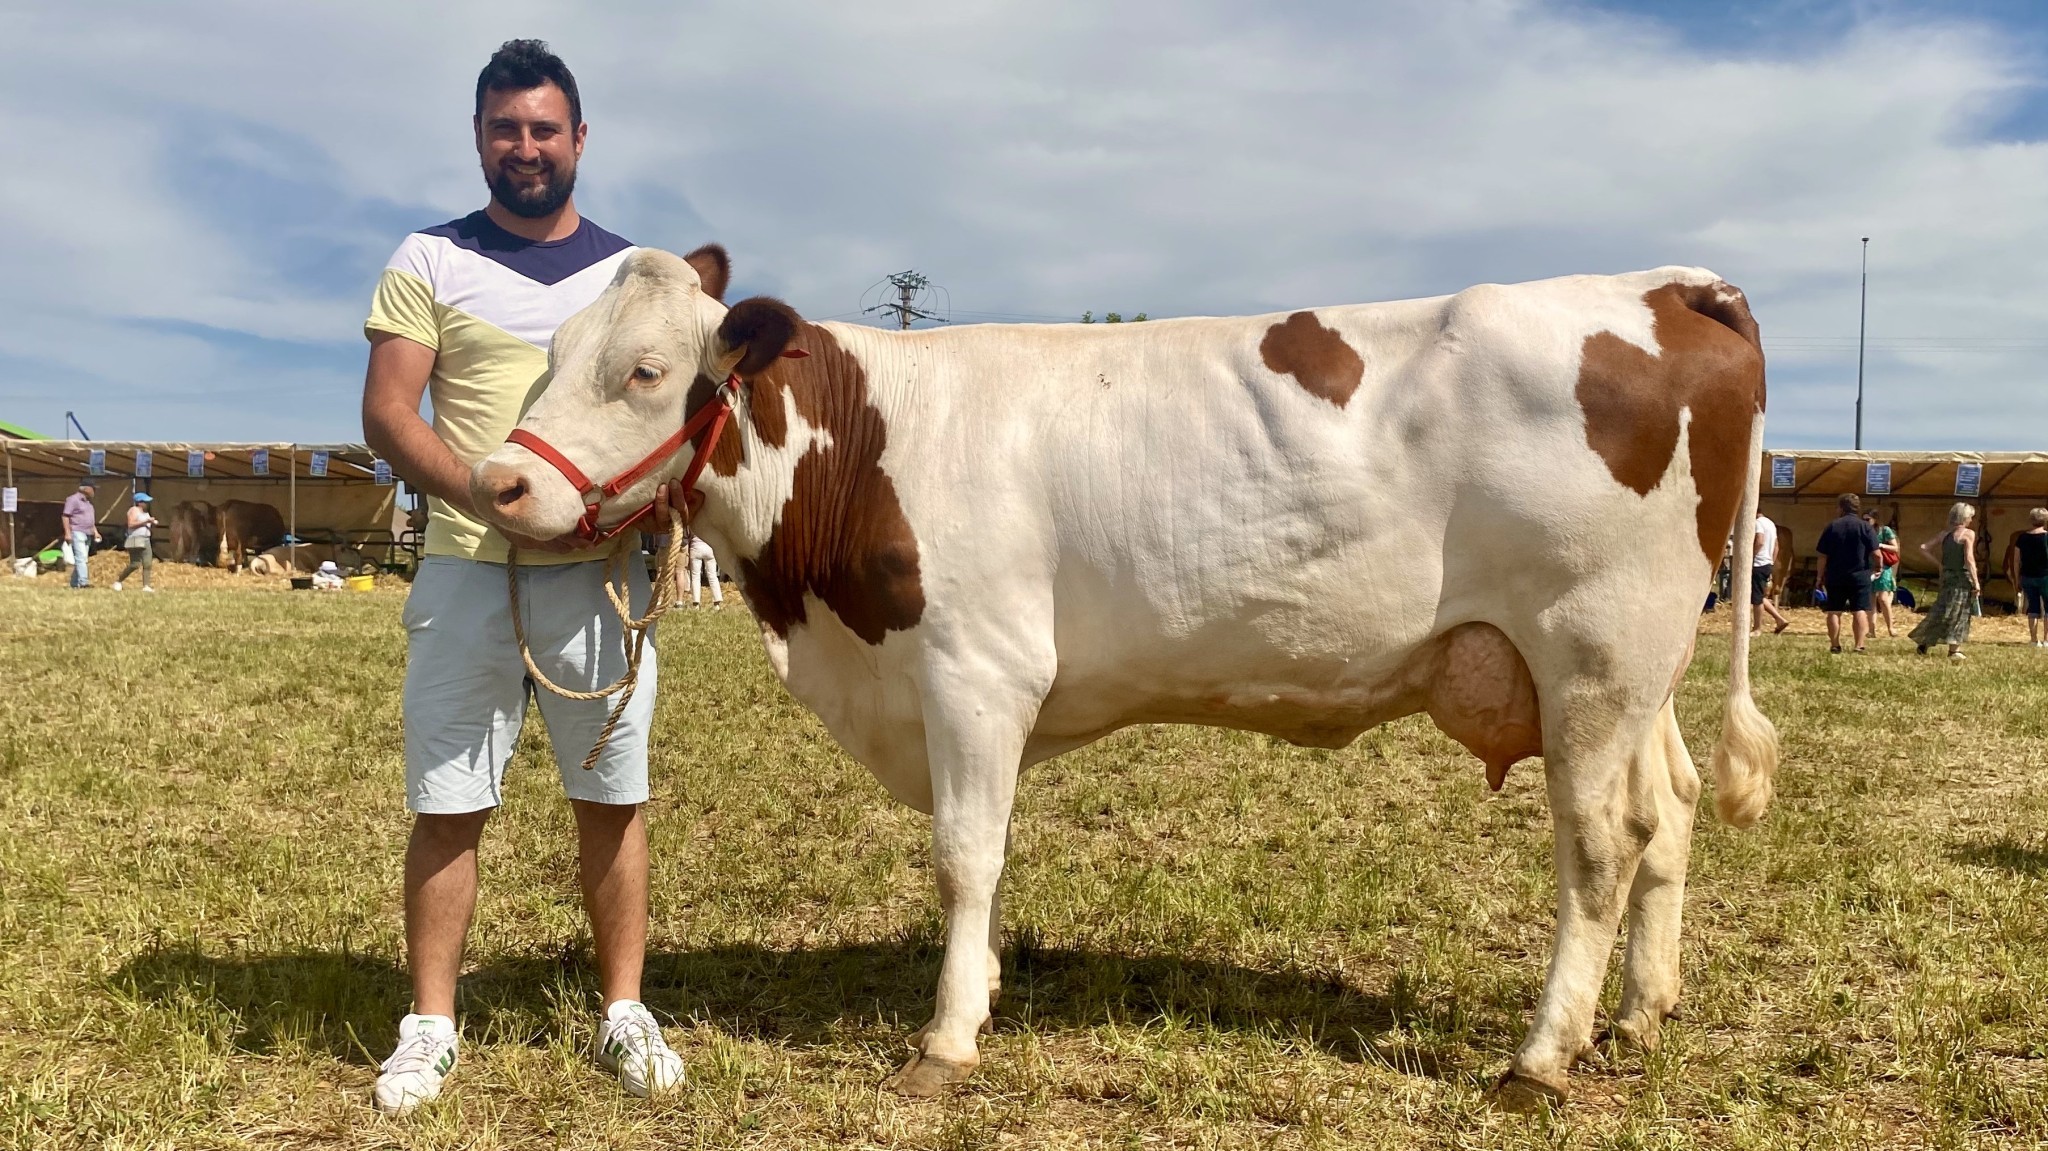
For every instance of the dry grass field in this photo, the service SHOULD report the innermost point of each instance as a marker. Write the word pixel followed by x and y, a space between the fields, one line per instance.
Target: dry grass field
pixel 1215 939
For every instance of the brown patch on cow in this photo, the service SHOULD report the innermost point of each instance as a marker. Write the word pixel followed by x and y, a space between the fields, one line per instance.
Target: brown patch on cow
pixel 1481 694
pixel 842 535
pixel 1709 362
pixel 1316 356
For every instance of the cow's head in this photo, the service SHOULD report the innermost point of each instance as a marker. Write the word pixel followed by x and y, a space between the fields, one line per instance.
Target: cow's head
pixel 625 373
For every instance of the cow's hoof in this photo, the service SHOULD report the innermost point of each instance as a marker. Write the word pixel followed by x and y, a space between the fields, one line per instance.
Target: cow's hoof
pixel 1638 1031
pixel 927 1075
pixel 1526 1094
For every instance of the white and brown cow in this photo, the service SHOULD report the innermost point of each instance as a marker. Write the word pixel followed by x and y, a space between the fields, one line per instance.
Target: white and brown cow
pixel 975 548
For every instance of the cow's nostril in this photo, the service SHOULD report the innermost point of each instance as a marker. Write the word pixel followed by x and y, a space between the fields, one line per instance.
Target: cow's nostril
pixel 513 494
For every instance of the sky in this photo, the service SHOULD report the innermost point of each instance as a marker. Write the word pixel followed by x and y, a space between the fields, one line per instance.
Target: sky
pixel 203 194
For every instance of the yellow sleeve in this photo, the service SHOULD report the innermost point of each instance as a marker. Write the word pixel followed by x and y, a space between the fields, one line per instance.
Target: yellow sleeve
pixel 404 306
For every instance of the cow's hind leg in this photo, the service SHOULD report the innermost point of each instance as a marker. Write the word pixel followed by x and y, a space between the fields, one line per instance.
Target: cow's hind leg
pixel 1594 729
pixel 975 747
pixel 1661 776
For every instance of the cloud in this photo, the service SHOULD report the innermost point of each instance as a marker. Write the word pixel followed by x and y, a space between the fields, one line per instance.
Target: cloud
pixel 211 193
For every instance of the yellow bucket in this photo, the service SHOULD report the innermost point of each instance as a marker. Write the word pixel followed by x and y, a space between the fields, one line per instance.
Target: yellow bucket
pixel 362 583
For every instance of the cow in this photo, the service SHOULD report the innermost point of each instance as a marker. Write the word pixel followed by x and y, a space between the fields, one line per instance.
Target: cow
pixel 37 525
pixel 245 527
pixel 195 533
pixel 972 549
pixel 282 560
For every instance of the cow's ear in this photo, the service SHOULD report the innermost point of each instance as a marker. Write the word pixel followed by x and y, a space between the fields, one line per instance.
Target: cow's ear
pixel 714 269
pixel 758 330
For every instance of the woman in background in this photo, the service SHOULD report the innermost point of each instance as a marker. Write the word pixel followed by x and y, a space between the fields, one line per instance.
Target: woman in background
pixel 1886 585
pixel 2027 567
pixel 1949 621
pixel 136 542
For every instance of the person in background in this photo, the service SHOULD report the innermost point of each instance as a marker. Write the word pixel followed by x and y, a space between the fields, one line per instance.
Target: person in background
pixel 2026 565
pixel 136 542
pixel 1848 560
pixel 1760 569
pixel 703 569
pixel 81 531
pixel 1949 620
pixel 1886 585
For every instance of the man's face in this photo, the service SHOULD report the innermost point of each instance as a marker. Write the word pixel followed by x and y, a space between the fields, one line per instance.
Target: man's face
pixel 529 149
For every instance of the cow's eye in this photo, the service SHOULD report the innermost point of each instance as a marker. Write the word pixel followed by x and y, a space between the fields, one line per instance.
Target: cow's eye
pixel 646 374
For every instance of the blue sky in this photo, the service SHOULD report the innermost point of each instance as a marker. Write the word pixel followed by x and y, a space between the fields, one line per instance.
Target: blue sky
pixel 211 191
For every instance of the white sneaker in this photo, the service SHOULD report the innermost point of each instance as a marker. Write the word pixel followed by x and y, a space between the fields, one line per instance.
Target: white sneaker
pixel 630 1045
pixel 149 589
pixel 414 1073
pixel 117 585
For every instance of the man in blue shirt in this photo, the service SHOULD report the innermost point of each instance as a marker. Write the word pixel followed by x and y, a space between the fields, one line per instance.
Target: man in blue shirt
pixel 1848 562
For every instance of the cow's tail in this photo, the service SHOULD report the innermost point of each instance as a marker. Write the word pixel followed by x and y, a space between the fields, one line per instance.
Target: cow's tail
pixel 1746 757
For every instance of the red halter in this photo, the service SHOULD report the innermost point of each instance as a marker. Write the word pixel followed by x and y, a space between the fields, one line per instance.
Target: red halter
pixel 711 419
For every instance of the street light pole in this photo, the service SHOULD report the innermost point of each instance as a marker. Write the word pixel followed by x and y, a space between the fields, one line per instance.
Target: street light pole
pixel 1862 323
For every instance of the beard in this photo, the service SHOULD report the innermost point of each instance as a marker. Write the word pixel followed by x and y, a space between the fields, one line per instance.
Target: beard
pixel 533 201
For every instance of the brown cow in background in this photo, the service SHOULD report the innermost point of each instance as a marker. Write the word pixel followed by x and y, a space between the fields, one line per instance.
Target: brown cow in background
pixel 37 524
pixel 195 533
pixel 247 527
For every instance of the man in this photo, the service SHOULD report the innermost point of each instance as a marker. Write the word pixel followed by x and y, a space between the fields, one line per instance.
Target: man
pixel 81 531
pixel 465 311
pixel 1760 568
pixel 1848 561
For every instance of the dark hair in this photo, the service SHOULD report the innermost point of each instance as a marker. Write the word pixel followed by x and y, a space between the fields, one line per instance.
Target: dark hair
pixel 1849 502
pixel 519 65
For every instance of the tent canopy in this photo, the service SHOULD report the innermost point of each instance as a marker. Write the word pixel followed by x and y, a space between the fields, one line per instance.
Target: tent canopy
pixel 1914 475
pixel 72 459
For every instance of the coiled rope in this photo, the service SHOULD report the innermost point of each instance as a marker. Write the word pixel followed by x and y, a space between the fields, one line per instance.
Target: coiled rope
pixel 660 598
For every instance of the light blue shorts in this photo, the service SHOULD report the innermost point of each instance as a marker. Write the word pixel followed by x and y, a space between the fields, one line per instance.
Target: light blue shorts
pixel 466 689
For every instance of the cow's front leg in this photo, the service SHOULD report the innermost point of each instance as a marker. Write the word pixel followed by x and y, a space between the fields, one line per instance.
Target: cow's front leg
pixel 975 749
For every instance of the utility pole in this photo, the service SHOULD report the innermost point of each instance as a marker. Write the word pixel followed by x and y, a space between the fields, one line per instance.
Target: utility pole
pixel 1862 322
pixel 911 288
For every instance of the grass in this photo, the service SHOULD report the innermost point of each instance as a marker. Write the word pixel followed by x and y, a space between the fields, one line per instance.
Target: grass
pixel 1214 939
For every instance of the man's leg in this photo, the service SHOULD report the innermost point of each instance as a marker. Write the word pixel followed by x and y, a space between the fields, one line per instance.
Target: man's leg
pixel 612 843
pixel 1835 630
pixel 440 899
pixel 711 572
pixel 577 641
pixel 80 545
pixel 1859 625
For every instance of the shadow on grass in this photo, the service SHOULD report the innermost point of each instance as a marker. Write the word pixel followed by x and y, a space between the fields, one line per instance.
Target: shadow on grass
pixel 2006 854
pixel 819 996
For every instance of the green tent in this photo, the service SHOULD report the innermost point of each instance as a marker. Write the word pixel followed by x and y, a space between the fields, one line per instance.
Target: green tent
pixel 17 432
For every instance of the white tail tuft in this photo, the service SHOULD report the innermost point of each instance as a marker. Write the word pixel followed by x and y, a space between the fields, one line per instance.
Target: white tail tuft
pixel 1745 759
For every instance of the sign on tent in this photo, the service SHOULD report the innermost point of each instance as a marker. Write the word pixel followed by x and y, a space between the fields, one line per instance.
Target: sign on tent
pixel 144 463
pixel 1969 479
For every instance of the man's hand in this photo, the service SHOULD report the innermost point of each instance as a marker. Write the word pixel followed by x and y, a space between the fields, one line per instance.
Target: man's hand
pixel 685 501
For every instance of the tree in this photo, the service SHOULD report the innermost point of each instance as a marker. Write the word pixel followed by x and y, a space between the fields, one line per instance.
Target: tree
pixel 1088 317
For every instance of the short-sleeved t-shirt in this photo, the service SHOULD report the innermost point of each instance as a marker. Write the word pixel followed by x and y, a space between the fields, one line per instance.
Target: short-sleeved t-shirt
pixel 488 302
pixel 2033 547
pixel 1767 551
pixel 1847 543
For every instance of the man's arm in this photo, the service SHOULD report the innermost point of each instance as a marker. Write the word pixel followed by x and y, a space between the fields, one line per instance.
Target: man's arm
pixel 392 389
pixel 392 426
